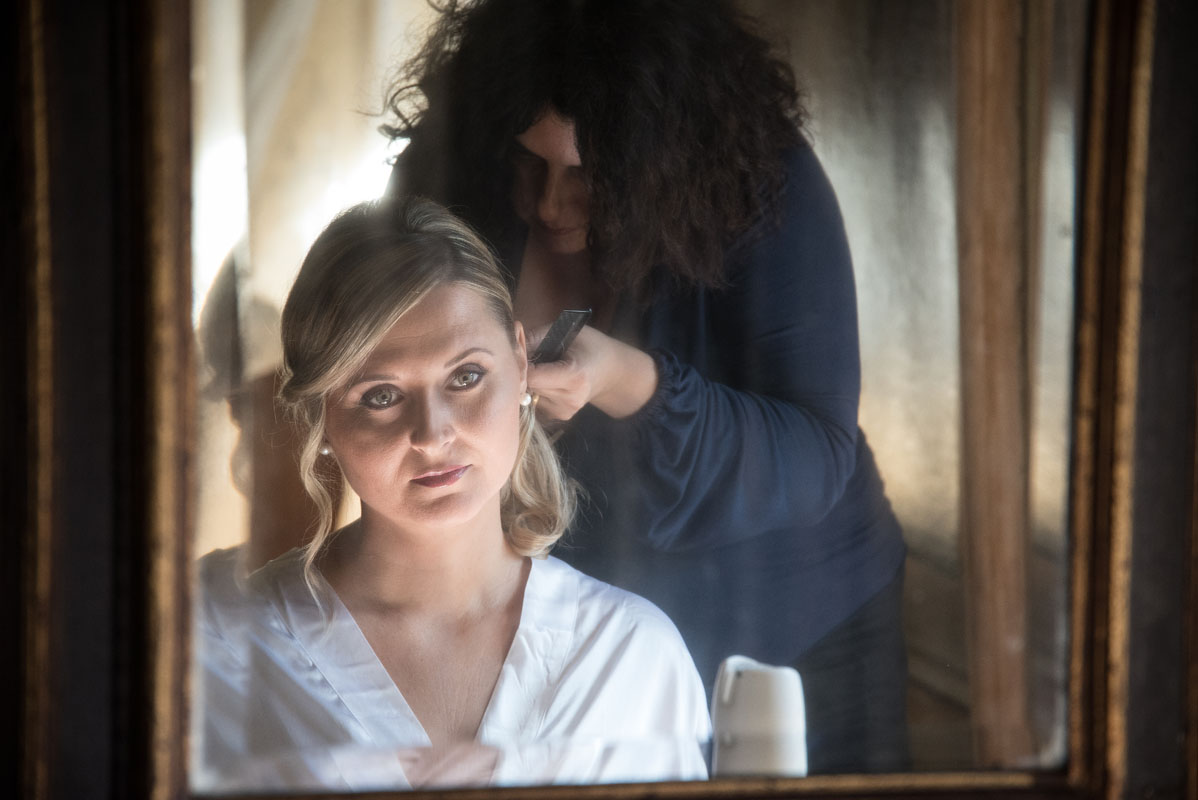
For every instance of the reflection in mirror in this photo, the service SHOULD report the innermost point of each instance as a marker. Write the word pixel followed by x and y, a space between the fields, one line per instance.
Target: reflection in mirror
pixel 285 137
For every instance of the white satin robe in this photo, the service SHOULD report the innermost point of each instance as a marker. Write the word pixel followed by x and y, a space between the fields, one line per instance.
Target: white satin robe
pixel 597 687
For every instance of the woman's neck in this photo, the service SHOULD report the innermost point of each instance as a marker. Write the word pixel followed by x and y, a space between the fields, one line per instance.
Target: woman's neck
pixel 550 282
pixel 451 572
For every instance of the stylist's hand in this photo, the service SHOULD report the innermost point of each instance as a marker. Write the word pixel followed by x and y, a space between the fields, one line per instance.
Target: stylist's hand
pixel 614 377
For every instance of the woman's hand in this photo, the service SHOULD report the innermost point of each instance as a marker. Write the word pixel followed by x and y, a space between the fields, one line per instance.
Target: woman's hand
pixel 614 377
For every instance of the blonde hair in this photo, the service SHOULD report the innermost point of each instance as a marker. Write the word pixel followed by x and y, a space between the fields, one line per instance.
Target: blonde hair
pixel 369 267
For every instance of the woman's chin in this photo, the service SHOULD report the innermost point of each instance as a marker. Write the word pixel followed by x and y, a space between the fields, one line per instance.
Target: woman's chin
pixel 568 243
pixel 451 510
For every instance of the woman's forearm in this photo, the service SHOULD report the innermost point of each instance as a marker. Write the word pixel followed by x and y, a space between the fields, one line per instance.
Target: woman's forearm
pixel 630 379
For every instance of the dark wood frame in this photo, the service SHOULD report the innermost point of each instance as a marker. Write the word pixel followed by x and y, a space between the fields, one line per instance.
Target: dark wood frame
pixel 97 591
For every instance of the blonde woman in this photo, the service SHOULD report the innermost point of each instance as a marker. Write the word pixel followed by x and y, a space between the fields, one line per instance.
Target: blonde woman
pixel 432 640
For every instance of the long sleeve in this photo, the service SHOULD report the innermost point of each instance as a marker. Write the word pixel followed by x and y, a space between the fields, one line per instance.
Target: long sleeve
pixel 762 435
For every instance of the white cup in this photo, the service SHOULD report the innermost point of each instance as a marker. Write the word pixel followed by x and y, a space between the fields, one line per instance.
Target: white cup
pixel 759 720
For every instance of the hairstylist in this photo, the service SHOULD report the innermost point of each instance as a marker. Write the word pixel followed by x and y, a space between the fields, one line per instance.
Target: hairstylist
pixel 645 159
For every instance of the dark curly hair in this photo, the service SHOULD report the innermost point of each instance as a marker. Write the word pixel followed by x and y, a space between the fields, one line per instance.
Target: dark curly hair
pixel 681 116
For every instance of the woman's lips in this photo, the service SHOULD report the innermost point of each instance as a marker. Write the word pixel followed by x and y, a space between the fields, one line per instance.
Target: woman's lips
pixel 559 232
pixel 441 477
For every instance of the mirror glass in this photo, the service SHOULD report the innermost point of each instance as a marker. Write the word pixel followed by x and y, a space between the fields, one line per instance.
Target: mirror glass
pixel 287 101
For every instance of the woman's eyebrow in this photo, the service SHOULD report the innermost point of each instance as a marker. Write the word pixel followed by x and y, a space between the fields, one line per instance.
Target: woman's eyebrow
pixel 387 376
pixel 521 150
pixel 467 352
pixel 375 376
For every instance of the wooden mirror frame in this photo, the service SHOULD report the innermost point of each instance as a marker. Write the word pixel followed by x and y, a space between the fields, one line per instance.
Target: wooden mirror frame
pixel 97 447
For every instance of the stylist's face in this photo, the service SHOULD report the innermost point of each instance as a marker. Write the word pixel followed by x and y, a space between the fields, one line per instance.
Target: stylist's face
pixel 550 193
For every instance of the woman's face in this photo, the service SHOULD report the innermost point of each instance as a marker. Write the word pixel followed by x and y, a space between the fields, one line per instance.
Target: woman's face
pixel 549 193
pixel 427 431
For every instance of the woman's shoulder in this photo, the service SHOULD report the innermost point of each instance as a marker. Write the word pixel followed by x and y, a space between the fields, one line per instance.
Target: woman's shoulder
pixel 805 219
pixel 806 181
pixel 601 604
pixel 221 572
pixel 613 626
pixel 279 570
pixel 221 585
pixel 636 667
pixel 231 596
pixel 226 571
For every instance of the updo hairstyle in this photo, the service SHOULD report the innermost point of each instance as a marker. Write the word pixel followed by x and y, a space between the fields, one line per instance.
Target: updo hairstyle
pixel 369 267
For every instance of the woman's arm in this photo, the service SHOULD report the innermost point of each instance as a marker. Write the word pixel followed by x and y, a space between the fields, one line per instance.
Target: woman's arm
pixel 772 444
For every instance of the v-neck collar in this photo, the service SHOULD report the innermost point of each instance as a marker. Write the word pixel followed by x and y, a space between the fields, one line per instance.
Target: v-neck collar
pixel 349 666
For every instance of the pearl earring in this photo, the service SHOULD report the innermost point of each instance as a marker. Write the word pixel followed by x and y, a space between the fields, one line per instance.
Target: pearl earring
pixel 526 400
pixel 325 450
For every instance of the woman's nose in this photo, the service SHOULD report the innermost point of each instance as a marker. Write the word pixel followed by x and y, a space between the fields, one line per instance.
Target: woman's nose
pixel 552 199
pixel 431 424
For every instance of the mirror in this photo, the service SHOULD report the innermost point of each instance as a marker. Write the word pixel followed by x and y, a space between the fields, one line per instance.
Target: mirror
pixel 283 139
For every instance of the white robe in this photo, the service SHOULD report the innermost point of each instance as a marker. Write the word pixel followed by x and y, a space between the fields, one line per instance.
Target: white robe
pixel 597 687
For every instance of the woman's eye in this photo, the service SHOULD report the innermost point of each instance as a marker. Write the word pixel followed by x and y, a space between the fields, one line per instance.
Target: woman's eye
pixel 381 397
pixel 527 165
pixel 519 155
pixel 466 378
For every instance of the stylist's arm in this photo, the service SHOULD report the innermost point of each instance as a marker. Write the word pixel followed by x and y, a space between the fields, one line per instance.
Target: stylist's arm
pixel 616 378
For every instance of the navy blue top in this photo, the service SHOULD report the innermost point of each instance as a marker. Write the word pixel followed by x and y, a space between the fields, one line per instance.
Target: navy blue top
pixel 743 498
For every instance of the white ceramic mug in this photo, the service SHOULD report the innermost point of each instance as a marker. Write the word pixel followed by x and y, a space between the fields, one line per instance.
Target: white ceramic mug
pixel 759 720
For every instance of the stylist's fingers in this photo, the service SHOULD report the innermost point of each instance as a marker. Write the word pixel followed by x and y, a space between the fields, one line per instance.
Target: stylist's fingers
pixel 582 374
pixel 561 386
pixel 533 337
